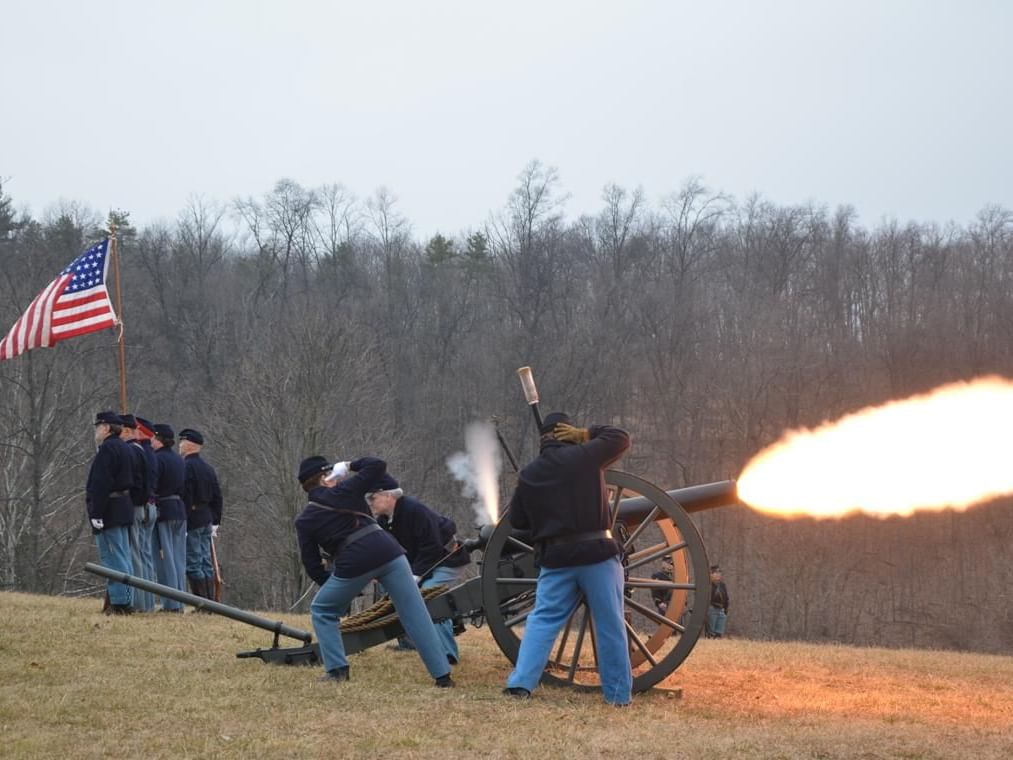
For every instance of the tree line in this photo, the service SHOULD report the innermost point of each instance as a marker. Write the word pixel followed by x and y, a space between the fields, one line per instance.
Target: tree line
pixel 307 320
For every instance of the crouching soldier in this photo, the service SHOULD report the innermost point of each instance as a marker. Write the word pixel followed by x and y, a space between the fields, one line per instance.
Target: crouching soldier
pixel 337 521
pixel 429 543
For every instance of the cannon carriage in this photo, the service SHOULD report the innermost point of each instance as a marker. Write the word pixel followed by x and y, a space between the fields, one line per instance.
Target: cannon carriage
pixel 649 523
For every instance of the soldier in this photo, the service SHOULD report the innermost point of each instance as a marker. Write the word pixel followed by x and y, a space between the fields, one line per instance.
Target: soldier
pixel 717 612
pixel 202 498
pixel 110 511
pixel 141 495
pixel 337 521
pixel 560 498
pixel 169 545
pixel 429 542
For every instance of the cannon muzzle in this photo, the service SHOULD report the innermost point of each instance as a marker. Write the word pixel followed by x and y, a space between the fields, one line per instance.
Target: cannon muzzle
pixel 275 626
pixel 692 499
pixel 479 541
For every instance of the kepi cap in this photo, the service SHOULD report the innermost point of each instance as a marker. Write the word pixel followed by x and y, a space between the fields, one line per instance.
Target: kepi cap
pixel 311 466
pixel 189 434
pixel 108 418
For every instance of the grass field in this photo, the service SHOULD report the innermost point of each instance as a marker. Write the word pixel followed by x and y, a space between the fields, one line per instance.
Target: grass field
pixel 76 684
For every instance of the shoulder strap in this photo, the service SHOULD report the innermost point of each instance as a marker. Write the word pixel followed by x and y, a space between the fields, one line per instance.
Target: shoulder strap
pixel 353 512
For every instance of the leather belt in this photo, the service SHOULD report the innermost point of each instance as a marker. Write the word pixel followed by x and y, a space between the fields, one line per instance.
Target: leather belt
pixel 118 494
pixel 576 538
pixel 172 497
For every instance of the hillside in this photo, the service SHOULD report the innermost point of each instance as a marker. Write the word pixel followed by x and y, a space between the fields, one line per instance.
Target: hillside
pixel 74 683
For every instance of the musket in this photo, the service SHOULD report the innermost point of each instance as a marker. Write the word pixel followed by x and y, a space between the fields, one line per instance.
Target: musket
pixel 218 572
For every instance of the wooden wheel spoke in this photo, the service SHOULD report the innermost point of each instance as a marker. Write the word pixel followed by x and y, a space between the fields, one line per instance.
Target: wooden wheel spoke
pixel 632 582
pixel 614 507
pixel 518 542
pixel 653 553
pixel 647 612
pixel 517 581
pixel 640 528
pixel 566 636
pixel 648 655
pixel 519 618
pixel 577 646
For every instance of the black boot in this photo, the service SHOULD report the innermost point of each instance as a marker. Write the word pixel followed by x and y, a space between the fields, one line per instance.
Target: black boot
pixel 209 593
pixel 337 675
pixel 445 682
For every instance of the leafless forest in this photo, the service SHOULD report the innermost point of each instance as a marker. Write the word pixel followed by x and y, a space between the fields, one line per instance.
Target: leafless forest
pixel 306 320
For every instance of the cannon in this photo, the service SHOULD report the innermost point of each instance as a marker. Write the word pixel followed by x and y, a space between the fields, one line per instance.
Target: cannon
pixel 649 523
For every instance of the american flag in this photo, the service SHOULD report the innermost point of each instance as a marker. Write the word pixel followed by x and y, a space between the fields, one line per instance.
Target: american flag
pixel 73 304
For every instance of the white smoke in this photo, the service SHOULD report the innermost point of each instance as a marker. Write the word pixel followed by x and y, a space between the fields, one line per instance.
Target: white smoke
pixel 477 469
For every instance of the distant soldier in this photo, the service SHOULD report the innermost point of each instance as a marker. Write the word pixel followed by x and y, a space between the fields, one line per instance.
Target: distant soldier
pixel 429 542
pixel 337 521
pixel 110 511
pixel 717 613
pixel 662 597
pixel 560 498
pixel 141 495
pixel 169 544
pixel 202 497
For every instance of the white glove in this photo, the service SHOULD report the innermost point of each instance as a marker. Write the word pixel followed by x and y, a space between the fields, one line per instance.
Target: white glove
pixel 214 531
pixel 416 578
pixel 338 472
pixel 97 524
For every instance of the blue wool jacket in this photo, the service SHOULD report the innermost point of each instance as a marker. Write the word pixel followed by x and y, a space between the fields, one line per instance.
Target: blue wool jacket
pixel 561 492
pixel 111 472
pixel 152 466
pixel 322 528
pixel 201 493
pixel 144 472
pixel 423 534
pixel 169 485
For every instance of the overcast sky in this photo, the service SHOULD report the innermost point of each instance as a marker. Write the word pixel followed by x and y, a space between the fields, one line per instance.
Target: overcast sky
pixel 902 109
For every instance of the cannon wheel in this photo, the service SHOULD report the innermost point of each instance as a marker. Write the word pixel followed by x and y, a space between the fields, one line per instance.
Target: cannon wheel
pixel 658 642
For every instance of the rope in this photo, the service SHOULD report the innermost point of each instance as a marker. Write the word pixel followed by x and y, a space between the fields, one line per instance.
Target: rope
pixel 382 613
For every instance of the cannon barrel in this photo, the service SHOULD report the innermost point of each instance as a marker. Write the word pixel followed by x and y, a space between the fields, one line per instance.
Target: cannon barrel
pixel 692 499
pixel 275 626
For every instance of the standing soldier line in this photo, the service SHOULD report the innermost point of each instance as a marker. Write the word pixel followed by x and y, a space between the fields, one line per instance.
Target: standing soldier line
pixel 153 512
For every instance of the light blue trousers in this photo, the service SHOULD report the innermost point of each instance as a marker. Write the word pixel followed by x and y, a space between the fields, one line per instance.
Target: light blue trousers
pixel 114 553
pixel 198 553
pixel 141 554
pixel 556 596
pixel 337 593
pixel 717 618
pixel 169 549
pixel 449 576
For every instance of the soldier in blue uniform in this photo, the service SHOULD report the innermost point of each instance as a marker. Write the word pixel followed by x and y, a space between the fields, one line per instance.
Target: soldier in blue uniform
pixel 429 542
pixel 141 495
pixel 169 544
pixel 337 521
pixel 561 499
pixel 110 511
pixel 202 497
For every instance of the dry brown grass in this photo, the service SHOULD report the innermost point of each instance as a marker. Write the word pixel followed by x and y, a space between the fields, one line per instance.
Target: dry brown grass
pixel 76 684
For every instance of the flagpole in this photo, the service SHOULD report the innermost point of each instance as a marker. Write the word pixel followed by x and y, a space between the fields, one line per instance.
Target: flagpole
pixel 114 252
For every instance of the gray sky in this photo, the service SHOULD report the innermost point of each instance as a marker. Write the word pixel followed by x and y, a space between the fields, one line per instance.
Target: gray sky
pixel 902 109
